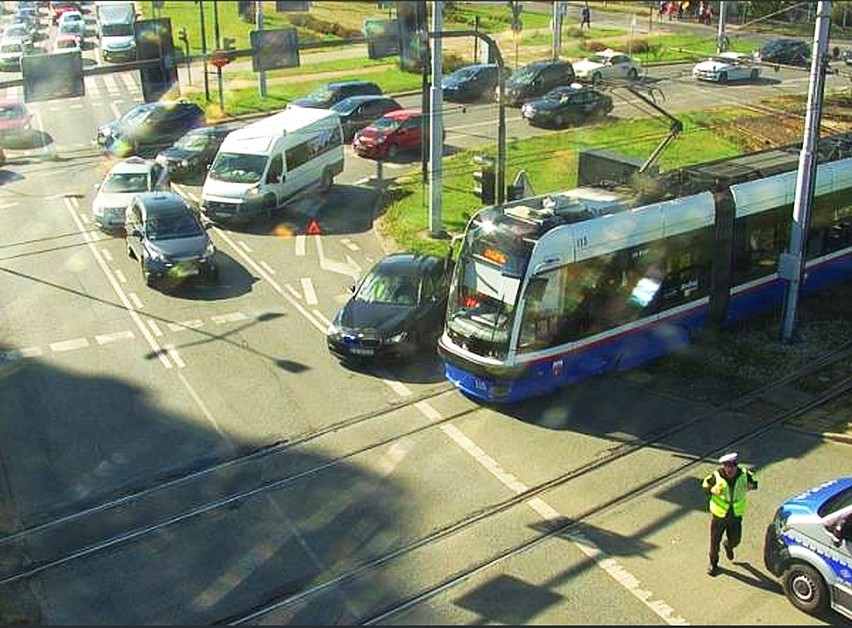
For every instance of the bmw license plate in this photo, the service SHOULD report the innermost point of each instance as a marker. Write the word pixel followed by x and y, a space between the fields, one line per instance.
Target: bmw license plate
pixel 361 351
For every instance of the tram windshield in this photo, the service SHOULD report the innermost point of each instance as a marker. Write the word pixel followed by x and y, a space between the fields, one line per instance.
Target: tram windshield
pixel 484 296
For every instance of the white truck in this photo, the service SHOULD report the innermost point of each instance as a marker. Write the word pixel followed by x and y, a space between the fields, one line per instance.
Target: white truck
pixel 260 166
pixel 115 30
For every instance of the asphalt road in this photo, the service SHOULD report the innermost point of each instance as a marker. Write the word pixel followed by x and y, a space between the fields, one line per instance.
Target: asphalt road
pixel 108 388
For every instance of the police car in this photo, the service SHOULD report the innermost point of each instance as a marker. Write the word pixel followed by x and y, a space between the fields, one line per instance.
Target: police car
pixel 809 546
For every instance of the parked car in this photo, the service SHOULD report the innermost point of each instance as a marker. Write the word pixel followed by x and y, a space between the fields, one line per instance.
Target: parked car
pixel 395 132
pixel 11 54
pixel 785 51
pixel 536 79
pixel 396 310
pixel 356 112
pixel 150 127
pixel 471 82
pixel 846 56
pixel 728 66
pixel 607 65
pixel 808 545
pixel 14 121
pixel 189 157
pixel 167 238
pixel 330 93
pixel 562 106
pixel 124 180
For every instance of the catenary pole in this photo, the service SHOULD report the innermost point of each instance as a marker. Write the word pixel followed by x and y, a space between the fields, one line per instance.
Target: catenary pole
pixel 436 142
pixel 261 75
pixel 791 266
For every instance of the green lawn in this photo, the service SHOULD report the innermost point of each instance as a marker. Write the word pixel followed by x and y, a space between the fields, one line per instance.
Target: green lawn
pixel 550 162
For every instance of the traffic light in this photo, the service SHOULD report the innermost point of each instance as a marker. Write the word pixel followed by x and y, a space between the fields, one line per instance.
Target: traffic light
pixel 485 179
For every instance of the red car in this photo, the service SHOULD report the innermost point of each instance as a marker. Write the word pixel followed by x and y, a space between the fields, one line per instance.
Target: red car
pixel 14 120
pixel 395 132
pixel 58 8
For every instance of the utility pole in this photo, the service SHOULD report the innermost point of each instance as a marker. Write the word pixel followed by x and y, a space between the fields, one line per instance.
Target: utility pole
pixel 791 266
pixel 261 76
pixel 218 47
pixel 204 51
pixel 558 8
pixel 436 136
pixel 721 40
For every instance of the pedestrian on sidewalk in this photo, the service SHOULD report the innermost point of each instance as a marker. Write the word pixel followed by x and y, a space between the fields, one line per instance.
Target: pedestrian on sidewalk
pixel 662 10
pixel 586 17
pixel 727 487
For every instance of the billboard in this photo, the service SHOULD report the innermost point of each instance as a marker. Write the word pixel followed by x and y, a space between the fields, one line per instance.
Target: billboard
pixel 51 76
pixel 274 48
pixel 382 38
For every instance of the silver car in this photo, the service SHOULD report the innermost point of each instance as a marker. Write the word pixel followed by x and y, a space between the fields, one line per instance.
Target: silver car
pixel 126 179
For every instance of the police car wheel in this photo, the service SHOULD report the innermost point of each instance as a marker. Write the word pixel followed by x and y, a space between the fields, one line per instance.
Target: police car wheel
pixel 805 588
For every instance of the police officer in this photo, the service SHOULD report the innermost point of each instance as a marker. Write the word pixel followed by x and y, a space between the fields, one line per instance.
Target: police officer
pixel 727 487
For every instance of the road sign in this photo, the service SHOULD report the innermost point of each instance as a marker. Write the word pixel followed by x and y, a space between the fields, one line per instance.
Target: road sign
pixel 274 49
pixel 219 59
pixel 382 38
pixel 49 76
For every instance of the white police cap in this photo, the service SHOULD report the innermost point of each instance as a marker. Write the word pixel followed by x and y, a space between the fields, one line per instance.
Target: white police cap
pixel 730 458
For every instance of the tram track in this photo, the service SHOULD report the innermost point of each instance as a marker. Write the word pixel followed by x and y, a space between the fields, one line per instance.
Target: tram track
pixel 482 515
pixel 570 527
pixel 183 480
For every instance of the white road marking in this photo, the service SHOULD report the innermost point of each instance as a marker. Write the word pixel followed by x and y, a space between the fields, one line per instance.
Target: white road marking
pixel 68 345
pixel 395 385
pixel 335 266
pixel 103 339
pixel 308 290
pixel 7 205
pixel 137 302
pixel 185 325
pixel 85 219
pixel 296 294
pixel 244 246
pixel 207 414
pixel 26 352
pixel 228 318
pixel 349 244
pixel 107 255
pixel 120 276
pixel 125 299
pixel 155 328
pixel 175 356
pixel 301 239
pixel 267 268
pixel 610 565
pixel 275 285
pixel 321 317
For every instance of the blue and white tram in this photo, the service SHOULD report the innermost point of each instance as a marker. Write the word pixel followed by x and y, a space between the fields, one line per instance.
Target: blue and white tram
pixel 554 289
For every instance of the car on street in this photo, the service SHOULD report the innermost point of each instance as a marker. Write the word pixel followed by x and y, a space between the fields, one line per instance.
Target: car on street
pixel 124 180
pixel 330 93
pixel 726 67
pixel 395 132
pixel 66 43
pixel 808 545
pixel 567 105
pixel 11 53
pixel 166 236
pixel 471 83
pixel 56 9
pixel 396 310
pixel 608 65
pixel 356 112
pixel 15 121
pixel 147 128
pixel 72 29
pixel 188 159
pixel 536 79
pixel 785 51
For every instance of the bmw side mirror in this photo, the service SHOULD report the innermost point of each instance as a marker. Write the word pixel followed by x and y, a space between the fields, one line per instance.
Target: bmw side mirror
pixel 136 233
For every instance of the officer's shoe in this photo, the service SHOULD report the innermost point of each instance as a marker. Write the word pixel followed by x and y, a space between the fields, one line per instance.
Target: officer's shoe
pixel 729 551
pixel 712 570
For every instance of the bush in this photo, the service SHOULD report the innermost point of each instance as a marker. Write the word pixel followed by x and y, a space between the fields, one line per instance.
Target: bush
pixel 309 22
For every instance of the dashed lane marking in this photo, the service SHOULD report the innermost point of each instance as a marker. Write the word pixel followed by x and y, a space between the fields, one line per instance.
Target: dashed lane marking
pixel 301 240
pixel 308 289
pixel 68 345
pixel 103 339
pixel 267 267
pixel 185 325
pixel 245 247
pixel 175 356
pixel 228 318
pixel 155 328
pixel 137 302
pixel 349 244
pixel 107 255
pixel 120 276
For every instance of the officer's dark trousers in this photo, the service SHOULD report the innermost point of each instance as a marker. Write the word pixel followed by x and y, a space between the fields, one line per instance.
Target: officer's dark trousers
pixel 731 527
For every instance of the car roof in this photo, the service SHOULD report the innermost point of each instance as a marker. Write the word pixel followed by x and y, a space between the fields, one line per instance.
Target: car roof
pixel 132 164
pixel 352 82
pixel 407 263
pixel 402 113
pixel 158 203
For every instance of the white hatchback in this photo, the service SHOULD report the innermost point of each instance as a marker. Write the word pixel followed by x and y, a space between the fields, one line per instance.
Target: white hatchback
pixel 125 180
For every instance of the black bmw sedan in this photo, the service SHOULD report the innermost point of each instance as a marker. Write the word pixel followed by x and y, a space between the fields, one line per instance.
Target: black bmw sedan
pixel 188 158
pixel 570 104
pixel 395 310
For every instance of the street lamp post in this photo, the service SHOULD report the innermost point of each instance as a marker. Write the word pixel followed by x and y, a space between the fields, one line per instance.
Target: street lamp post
pixel 204 50
pixel 218 47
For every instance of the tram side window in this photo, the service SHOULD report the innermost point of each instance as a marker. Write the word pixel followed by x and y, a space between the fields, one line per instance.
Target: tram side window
pixel 831 224
pixel 764 237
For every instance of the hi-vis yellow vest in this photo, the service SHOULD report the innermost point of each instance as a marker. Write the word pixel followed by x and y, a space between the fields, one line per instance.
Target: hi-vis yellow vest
pixel 719 504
